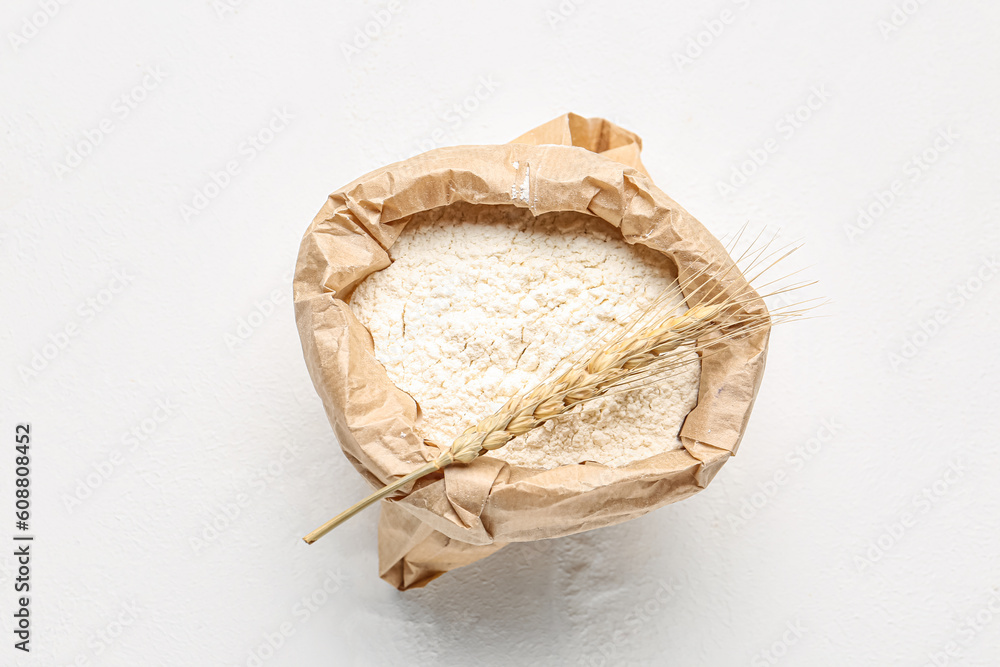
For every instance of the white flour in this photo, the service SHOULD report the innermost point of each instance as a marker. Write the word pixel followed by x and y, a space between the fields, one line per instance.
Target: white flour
pixel 472 312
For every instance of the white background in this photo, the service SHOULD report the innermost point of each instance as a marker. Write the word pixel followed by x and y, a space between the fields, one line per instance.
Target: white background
pixel 867 552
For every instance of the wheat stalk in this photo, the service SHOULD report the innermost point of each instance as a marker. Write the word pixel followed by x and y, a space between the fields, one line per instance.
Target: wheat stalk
pixel 654 343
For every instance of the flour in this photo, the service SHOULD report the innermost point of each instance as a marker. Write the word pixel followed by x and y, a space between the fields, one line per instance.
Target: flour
pixel 481 303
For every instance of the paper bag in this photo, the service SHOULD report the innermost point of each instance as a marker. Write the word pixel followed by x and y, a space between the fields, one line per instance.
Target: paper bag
pixel 466 512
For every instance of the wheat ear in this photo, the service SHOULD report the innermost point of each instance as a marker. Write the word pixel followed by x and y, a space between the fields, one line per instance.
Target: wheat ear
pixel 611 366
pixel 654 343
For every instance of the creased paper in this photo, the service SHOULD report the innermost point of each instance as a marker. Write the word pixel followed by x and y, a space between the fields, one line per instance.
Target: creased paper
pixel 465 513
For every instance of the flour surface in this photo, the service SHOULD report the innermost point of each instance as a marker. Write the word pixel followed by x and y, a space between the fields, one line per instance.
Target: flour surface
pixel 480 303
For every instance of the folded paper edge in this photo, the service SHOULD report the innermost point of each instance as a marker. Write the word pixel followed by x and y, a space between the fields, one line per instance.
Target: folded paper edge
pixel 361 238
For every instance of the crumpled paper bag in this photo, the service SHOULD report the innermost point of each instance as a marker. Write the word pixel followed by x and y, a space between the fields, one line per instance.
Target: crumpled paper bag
pixel 464 513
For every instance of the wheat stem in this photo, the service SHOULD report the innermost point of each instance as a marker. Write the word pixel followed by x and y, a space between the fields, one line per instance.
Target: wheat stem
pixel 605 369
pixel 650 345
pixel 384 492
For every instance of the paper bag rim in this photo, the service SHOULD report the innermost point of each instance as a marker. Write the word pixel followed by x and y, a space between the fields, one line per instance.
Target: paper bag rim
pixel 489 500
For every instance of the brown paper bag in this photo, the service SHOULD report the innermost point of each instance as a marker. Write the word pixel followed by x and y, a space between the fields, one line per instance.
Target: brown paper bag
pixel 464 513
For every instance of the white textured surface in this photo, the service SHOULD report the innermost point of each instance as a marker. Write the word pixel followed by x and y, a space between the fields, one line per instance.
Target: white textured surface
pixel 849 446
pixel 474 310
